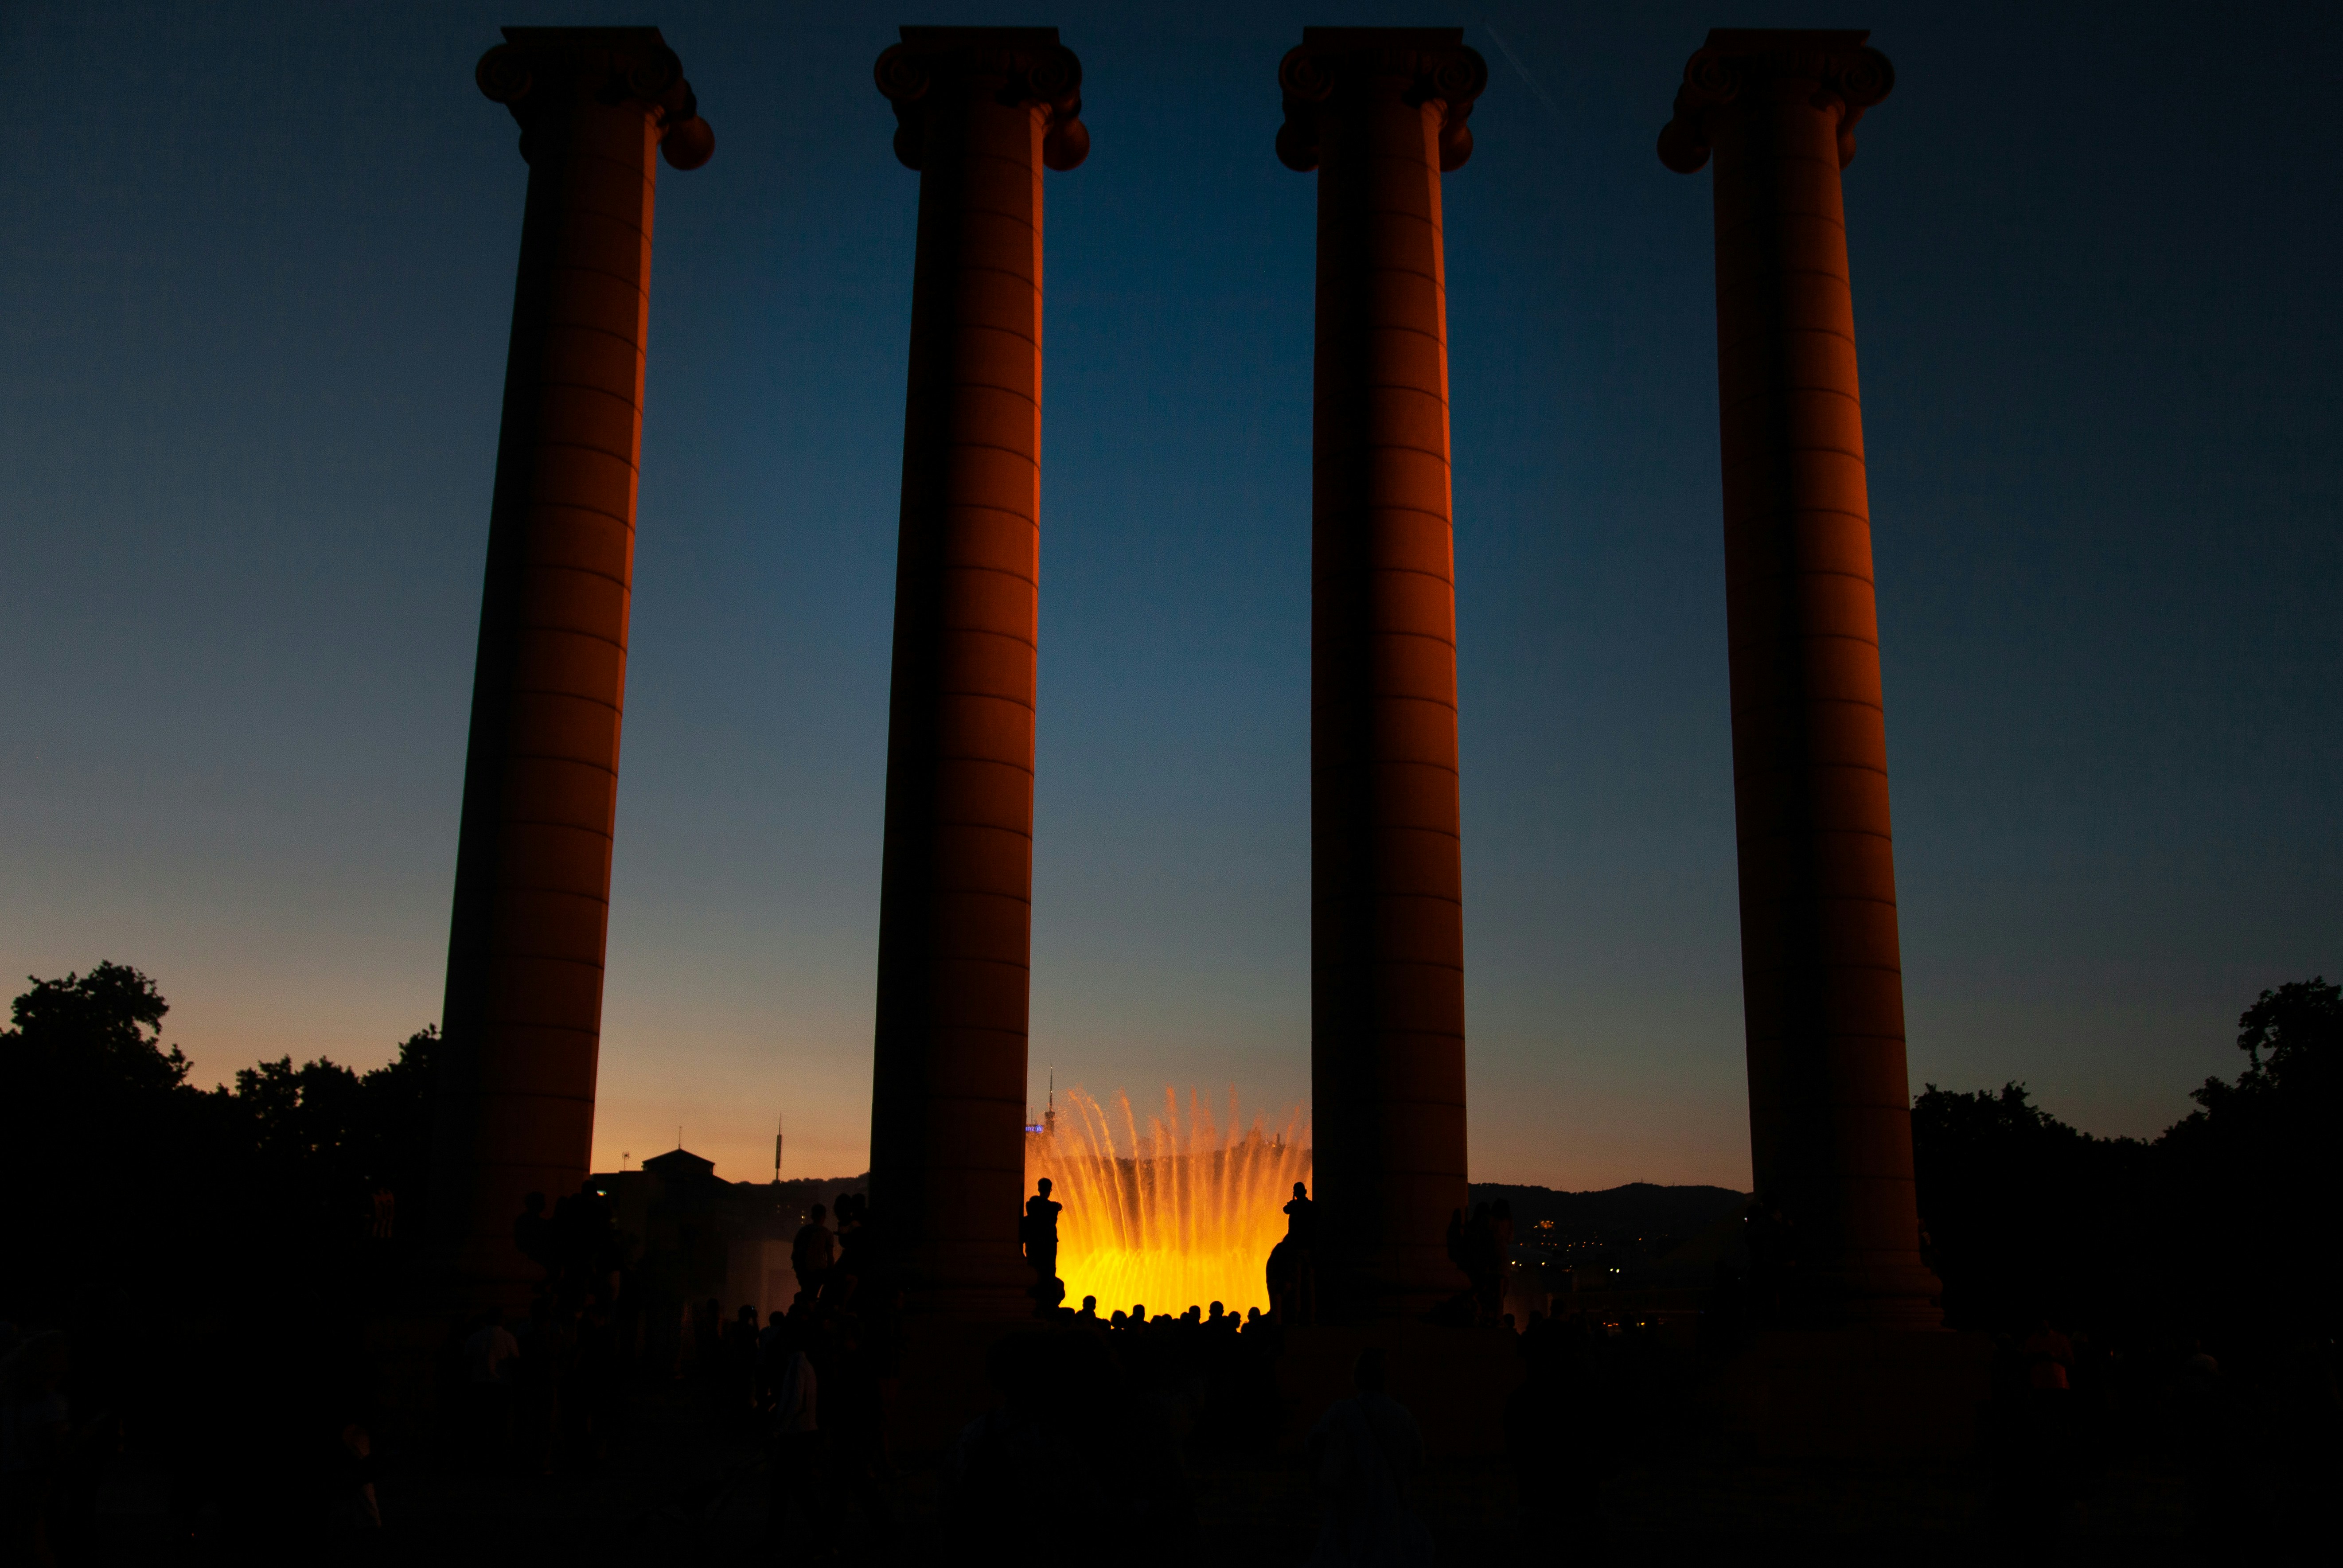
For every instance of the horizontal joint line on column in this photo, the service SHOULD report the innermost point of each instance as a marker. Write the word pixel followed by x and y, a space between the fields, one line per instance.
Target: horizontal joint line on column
pixel 1405 387
pixel 1025 833
pixel 1810 832
pixel 1765 275
pixel 631 283
pixel 1020 639
pixel 601 768
pixel 597 330
pixel 533 503
pixel 965 692
pixel 1400 326
pixel 1387 269
pixel 1776 392
pixel 1771 452
pixel 514 887
pixel 601 833
pixel 539 626
pixel 544 565
pixel 1022 220
pixel 1354 573
pixel 947 388
pixel 571 696
pixel 1026 278
pixel 928 509
pixel 1773 333
pixel 1365 509
pixel 1025 337
pixel 1017 452
pixel 1804 637
pixel 1378 896
pixel 1795 572
pixel 625 398
pixel 1814 768
pixel 541 444
pixel 1761 514
pixel 998 571
pixel 933 957
pixel 1023 767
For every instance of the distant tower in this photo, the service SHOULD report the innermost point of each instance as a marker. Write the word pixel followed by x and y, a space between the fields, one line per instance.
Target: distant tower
pixel 1049 1112
pixel 777 1150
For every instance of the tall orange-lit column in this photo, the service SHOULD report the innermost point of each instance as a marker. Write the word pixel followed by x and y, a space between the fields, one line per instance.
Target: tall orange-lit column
pixel 523 1013
pixel 1822 979
pixel 1380 112
pixel 979 111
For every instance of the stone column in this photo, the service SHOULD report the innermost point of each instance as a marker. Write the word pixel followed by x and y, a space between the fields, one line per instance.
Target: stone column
pixel 1822 981
pixel 1380 112
pixel 979 112
pixel 522 1020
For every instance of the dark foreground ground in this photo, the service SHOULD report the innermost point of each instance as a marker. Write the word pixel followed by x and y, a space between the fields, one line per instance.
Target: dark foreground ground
pixel 679 1486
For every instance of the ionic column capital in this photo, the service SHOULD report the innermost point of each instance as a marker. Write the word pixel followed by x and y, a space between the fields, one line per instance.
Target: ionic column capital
pixel 1429 65
pixel 1015 65
pixel 540 73
pixel 1734 68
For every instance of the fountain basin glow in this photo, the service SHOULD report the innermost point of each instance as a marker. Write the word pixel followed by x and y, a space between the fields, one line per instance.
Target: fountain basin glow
pixel 1181 1215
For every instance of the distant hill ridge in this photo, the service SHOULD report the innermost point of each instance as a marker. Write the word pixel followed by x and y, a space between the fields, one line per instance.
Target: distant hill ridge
pixel 1637 1209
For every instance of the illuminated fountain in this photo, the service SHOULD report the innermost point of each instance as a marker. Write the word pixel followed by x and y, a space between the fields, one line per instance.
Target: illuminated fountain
pixel 1181 1215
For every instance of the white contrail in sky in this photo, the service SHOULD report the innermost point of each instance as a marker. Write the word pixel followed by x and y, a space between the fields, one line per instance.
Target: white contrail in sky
pixel 1519 69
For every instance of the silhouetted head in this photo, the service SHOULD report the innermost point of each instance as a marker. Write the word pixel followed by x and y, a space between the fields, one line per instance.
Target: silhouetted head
pixel 819 1213
pixel 1301 1188
pixel 1090 1306
pixel 774 1319
pixel 1368 1371
pixel 1042 1186
pixel 534 1203
pixel 1216 1311
pixel 1139 1311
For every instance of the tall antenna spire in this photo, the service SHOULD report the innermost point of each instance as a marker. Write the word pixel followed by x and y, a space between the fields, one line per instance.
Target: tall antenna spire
pixel 1049 1112
pixel 777 1150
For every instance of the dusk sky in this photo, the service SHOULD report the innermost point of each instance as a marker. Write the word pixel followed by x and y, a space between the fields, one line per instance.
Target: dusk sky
pixel 260 267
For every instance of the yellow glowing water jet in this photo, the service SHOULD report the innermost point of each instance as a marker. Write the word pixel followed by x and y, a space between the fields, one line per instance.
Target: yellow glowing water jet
pixel 1182 1215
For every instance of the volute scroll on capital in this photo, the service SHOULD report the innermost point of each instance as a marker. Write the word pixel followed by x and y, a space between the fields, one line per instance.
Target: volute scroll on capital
pixel 1725 73
pixel 1017 65
pixel 536 67
pixel 1435 65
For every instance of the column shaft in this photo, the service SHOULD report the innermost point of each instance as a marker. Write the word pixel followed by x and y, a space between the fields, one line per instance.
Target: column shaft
pixel 1387 945
pixel 1829 1105
pixel 948 1100
pixel 522 1016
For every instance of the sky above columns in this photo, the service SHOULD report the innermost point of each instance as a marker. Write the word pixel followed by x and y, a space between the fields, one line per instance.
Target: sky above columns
pixel 260 267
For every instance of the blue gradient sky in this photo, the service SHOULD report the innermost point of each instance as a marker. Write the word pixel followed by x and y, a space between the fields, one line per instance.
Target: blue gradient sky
pixel 258 273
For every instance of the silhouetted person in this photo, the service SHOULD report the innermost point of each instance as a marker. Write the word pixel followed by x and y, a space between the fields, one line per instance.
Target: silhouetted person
pixel 358 1475
pixel 813 1251
pixel 491 1368
pixel 1040 1233
pixel 1364 1450
pixel 792 1519
pixel 1292 1272
pixel 1089 1314
pixel 35 1433
pixel 533 1234
pixel 1302 1218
